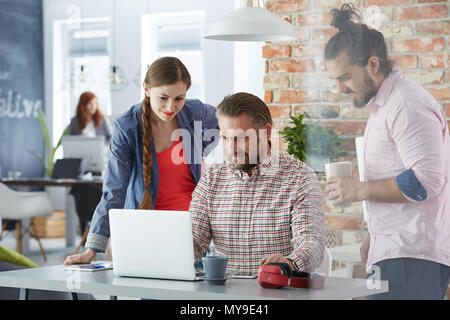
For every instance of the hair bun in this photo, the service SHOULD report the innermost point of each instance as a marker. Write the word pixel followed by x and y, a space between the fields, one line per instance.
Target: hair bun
pixel 342 18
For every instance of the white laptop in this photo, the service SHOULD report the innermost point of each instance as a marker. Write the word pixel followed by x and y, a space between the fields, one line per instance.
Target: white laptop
pixel 152 244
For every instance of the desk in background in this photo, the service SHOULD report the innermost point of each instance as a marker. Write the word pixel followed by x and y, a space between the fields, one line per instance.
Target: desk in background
pixel 71 216
pixel 44 182
pixel 106 283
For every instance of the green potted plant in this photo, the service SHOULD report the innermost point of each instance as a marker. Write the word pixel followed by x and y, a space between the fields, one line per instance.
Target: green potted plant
pixel 47 160
pixel 312 143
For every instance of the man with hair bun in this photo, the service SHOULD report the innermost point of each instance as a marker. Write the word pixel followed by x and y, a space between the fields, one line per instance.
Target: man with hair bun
pixel 406 161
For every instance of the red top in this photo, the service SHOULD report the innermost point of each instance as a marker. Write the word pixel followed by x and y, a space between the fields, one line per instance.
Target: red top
pixel 176 182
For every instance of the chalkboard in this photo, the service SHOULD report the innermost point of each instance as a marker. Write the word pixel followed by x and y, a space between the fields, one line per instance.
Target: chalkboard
pixel 21 86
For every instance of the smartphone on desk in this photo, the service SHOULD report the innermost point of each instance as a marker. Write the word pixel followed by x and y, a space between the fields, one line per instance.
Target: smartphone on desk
pixel 89 266
pixel 245 275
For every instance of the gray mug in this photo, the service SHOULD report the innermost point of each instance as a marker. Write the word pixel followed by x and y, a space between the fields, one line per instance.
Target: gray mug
pixel 214 267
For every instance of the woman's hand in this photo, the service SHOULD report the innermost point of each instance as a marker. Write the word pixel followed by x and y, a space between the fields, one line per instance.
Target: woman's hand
pixel 85 257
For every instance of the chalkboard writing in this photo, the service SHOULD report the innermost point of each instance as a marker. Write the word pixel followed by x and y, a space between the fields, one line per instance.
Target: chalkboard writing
pixel 16 107
pixel 21 86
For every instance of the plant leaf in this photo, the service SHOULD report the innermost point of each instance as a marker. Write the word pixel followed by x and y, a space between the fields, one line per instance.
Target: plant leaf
pixel 65 132
pixel 44 128
pixel 37 155
pixel 52 152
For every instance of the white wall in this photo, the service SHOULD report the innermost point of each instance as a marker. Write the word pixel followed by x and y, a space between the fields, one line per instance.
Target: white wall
pixel 249 65
pixel 249 68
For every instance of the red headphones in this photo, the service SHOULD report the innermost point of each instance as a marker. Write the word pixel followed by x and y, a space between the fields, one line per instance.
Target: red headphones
pixel 278 275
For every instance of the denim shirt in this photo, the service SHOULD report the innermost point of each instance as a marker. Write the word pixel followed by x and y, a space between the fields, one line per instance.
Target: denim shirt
pixel 123 185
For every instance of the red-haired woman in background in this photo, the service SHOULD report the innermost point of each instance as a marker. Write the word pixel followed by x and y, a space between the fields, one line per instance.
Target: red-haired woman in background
pixel 89 120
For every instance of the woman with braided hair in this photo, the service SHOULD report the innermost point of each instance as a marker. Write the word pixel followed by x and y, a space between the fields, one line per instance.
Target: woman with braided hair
pixel 156 152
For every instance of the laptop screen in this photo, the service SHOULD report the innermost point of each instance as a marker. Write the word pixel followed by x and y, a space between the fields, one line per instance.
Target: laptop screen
pixel 66 169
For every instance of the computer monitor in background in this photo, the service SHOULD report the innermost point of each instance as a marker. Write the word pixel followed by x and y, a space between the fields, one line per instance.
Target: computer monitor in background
pixel 90 149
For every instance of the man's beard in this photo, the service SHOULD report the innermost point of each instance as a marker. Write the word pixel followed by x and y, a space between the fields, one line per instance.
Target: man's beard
pixel 248 163
pixel 369 90
pixel 246 166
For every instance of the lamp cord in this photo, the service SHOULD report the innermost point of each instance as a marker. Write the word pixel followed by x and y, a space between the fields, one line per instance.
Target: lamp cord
pixel 113 45
pixel 82 35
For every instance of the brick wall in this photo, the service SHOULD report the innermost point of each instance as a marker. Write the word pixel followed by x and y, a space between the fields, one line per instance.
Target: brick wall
pixel 417 36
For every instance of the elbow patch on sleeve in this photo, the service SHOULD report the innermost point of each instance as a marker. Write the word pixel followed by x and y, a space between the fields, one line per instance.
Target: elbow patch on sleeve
pixel 411 186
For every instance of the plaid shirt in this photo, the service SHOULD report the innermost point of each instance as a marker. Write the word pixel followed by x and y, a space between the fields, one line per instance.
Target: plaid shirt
pixel 277 209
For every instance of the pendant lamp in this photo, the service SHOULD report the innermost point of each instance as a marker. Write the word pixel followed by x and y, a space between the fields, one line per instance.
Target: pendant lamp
pixel 116 79
pixel 81 76
pixel 251 23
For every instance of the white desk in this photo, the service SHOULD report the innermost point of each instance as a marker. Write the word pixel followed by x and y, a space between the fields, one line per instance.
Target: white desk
pixel 106 283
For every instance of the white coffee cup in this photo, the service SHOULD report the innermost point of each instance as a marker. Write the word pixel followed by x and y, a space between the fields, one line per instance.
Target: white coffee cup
pixel 339 169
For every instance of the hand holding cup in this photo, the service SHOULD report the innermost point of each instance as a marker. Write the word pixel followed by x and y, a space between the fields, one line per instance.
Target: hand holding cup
pixel 339 175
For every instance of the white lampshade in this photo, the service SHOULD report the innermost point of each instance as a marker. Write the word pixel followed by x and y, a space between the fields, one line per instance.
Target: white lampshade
pixel 251 24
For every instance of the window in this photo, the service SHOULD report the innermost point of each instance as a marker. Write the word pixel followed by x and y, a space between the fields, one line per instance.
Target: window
pixel 81 62
pixel 161 37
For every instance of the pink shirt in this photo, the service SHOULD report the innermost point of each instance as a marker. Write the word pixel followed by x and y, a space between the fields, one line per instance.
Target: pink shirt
pixel 407 129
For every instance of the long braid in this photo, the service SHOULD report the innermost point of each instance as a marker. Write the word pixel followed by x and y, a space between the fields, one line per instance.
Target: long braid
pixel 147 154
pixel 162 72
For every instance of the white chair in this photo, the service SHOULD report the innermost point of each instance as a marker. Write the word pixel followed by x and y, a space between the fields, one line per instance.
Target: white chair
pixel 24 205
pixel 325 267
